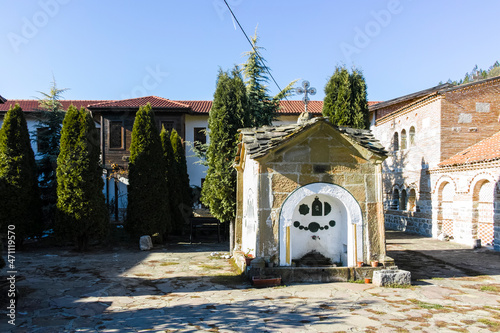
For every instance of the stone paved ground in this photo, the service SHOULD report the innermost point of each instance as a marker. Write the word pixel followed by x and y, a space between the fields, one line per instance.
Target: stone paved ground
pixel 180 288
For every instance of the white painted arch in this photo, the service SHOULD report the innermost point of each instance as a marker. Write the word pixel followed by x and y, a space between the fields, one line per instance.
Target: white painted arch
pixel 353 219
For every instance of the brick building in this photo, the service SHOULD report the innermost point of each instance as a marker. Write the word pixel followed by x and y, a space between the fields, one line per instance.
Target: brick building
pixel 424 132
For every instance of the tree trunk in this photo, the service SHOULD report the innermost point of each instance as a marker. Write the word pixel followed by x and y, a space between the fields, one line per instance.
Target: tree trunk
pixel 231 237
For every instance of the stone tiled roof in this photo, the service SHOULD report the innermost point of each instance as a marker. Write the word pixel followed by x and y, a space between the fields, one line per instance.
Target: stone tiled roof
pixel 260 141
pixel 484 151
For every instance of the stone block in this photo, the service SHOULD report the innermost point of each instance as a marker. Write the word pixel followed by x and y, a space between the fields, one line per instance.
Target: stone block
pixel 297 154
pixel 389 277
pixel 307 179
pixel 318 152
pixel 145 243
pixel 284 182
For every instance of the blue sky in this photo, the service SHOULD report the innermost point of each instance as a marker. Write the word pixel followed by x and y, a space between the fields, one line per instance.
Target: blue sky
pixel 173 49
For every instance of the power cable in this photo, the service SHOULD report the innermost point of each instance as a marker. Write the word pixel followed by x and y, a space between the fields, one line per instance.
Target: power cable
pixel 253 47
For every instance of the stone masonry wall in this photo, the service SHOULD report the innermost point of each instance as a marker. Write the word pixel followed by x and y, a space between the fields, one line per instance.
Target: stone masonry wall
pixel 318 158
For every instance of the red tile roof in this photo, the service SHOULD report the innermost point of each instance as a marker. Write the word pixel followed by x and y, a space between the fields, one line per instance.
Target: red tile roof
pixel 197 107
pixel 483 151
pixel 155 101
pixel 32 105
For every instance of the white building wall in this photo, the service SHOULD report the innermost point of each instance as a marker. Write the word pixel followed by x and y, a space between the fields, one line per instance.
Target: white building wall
pixel 250 202
pixel 196 170
pixel 407 169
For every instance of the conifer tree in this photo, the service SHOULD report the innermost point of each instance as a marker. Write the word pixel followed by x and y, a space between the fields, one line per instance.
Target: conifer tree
pixel 19 193
pixel 262 108
pixel 228 113
pixel 48 136
pixel 345 101
pixel 81 208
pixel 147 210
pixel 183 191
pixel 170 177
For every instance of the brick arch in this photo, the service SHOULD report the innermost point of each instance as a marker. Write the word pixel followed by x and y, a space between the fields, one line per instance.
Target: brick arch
pixel 444 206
pixel 483 199
pixel 480 177
pixel 439 183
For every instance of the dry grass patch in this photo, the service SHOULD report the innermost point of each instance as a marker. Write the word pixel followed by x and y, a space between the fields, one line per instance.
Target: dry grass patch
pixel 169 263
pixel 379 313
pixel 472 278
pixel 492 324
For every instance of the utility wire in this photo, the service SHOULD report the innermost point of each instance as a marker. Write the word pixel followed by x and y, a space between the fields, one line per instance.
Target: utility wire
pixel 253 47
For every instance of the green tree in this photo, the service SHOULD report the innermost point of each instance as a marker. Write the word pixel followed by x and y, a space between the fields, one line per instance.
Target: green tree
pixel 19 193
pixel 183 203
pixel 262 109
pixel 148 208
pixel 81 209
pixel 48 136
pixel 170 177
pixel 228 113
pixel 345 102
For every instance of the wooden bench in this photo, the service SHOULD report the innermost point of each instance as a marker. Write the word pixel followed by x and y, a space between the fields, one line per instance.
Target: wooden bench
pixel 204 224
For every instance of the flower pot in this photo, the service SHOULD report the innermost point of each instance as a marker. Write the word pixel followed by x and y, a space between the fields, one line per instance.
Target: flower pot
pixel 368 280
pixel 374 263
pixel 248 260
pixel 360 264
pixel 266 281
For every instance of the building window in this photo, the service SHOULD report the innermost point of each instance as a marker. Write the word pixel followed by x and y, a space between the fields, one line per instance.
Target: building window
pixel 412 200
pixel 200 136
pixel 412 136
pixel 116 135
pixel 395 141
pixel 168 125
pixel 395 200
pixel 42 144
pixel 402 200
pixel 403 139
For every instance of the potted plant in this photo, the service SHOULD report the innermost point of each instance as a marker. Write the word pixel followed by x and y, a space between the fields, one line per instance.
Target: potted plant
pixel 248 257
pixel 374 263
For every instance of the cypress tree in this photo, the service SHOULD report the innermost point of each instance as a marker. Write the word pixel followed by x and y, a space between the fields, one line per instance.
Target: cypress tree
pixel 170 177
pixel 81 207
pixel 147 210
pixel 19 193
pixel 345 101
pixel 228 111
pixel 183 191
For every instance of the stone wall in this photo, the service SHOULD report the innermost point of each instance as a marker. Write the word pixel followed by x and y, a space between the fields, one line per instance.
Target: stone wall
pixel 325 156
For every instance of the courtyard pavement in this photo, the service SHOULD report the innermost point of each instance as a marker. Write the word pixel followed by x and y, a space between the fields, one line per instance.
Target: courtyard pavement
pixel 182 288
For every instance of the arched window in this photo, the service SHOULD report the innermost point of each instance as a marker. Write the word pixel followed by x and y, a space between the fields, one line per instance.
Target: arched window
pixel 395 141
pixel 412 200
pixel 402 200
pixel 395 199
pixel 403 139
pixel 412 136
